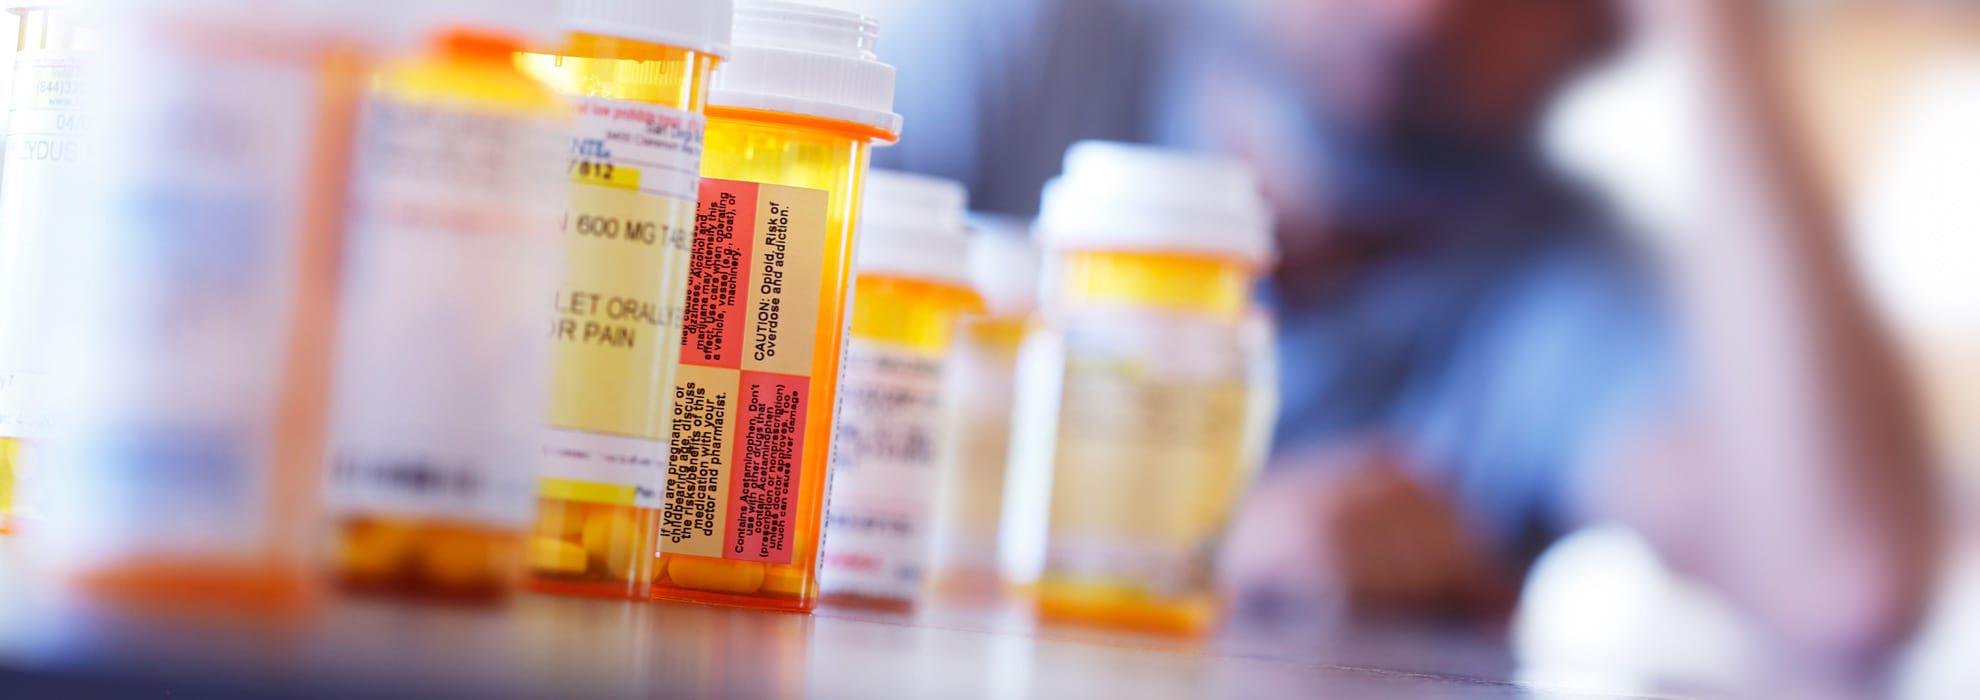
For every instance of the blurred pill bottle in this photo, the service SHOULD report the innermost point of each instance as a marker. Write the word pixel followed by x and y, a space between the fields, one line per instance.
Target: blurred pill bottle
pixel 910 290
pixel 792 117
pixel 195 295
pixel 442 353
pixel 981 376
pixel 44 145
pixel 636 73
pixel 1135 418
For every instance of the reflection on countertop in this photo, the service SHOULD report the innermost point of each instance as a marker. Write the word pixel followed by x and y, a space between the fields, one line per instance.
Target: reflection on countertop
pixel 546 646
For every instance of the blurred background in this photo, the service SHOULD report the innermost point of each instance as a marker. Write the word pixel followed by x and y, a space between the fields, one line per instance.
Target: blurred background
pixel 1509 227
pixel 1886 93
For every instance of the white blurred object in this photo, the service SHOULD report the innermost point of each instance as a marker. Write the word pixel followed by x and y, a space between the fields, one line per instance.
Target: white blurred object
pixel 1599 605
pixel 1918 229
pixel 1918 235
pixel 1127 197
pixel 1632 130
pixel 1004 266
pixel 1940 664
pixel 912 226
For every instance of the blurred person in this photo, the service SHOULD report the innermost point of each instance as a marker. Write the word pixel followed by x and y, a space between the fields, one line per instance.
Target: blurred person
pixel 1476 358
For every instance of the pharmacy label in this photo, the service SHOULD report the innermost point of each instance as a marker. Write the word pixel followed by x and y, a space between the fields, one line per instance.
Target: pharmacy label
pixel 628 230
pixel 1150 448
pixel 44 143
pixel 20 400
pixel 886 444
pixel 744 394
pixel 180 293
pixel 452 252
pixel 980 378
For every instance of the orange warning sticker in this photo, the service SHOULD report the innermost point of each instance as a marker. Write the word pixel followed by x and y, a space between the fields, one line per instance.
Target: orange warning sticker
pixel 749 329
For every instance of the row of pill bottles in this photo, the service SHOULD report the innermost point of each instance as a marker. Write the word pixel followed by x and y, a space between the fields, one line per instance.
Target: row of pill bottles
pixel 271 202
pixel 450 253
pixel 431 395
pixel 925 428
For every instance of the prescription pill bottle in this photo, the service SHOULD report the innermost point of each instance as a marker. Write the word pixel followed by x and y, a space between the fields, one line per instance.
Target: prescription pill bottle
pixel 636 73
pixel 44 147
pixel 910 290
pixel 792 117
pixel 981 376
pixel 1135 419
pixel 443 354
pixel 195 298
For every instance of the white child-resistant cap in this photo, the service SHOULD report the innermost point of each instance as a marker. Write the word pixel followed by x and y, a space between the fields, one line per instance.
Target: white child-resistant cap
pixel 1126 197
pixel 700 25
pixel 1003 264
pixel 912 226
pixel 803 59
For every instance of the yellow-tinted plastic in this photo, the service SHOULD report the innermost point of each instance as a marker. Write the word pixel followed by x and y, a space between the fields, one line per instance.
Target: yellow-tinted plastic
pixel 1205 286
pixel 52 28
pixel 624 69
pixel 1160 281
pixel 912 314
pixel 616 539
pixel 9 452
pixel 41 28
pixel 796 151
pixel 426 557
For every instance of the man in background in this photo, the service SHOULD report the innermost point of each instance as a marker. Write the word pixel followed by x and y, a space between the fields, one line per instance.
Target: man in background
pixel 1475 358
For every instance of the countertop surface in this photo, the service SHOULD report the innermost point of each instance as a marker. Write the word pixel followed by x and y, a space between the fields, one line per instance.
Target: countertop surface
pixel 548 646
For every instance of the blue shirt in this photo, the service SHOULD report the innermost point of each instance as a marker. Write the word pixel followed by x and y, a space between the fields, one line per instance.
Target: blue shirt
pixel 1502 363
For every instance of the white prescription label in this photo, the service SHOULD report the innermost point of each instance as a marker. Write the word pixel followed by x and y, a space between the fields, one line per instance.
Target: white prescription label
pixel 176 297
pixel 44 143
pixel 886 446
pixel 634 171
pixel 981 379
pixel 442 356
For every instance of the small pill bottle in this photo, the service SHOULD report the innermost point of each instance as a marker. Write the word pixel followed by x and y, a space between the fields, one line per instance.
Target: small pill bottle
pixel 911 289
pixel 442 354
pixel 636 73
pixel 1135 417
pixel 981 376
pixel 44 142
pixel 196 296
pixel 792 117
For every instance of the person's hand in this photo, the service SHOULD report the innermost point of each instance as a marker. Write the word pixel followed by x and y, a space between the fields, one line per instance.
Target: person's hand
pixel 1349 530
